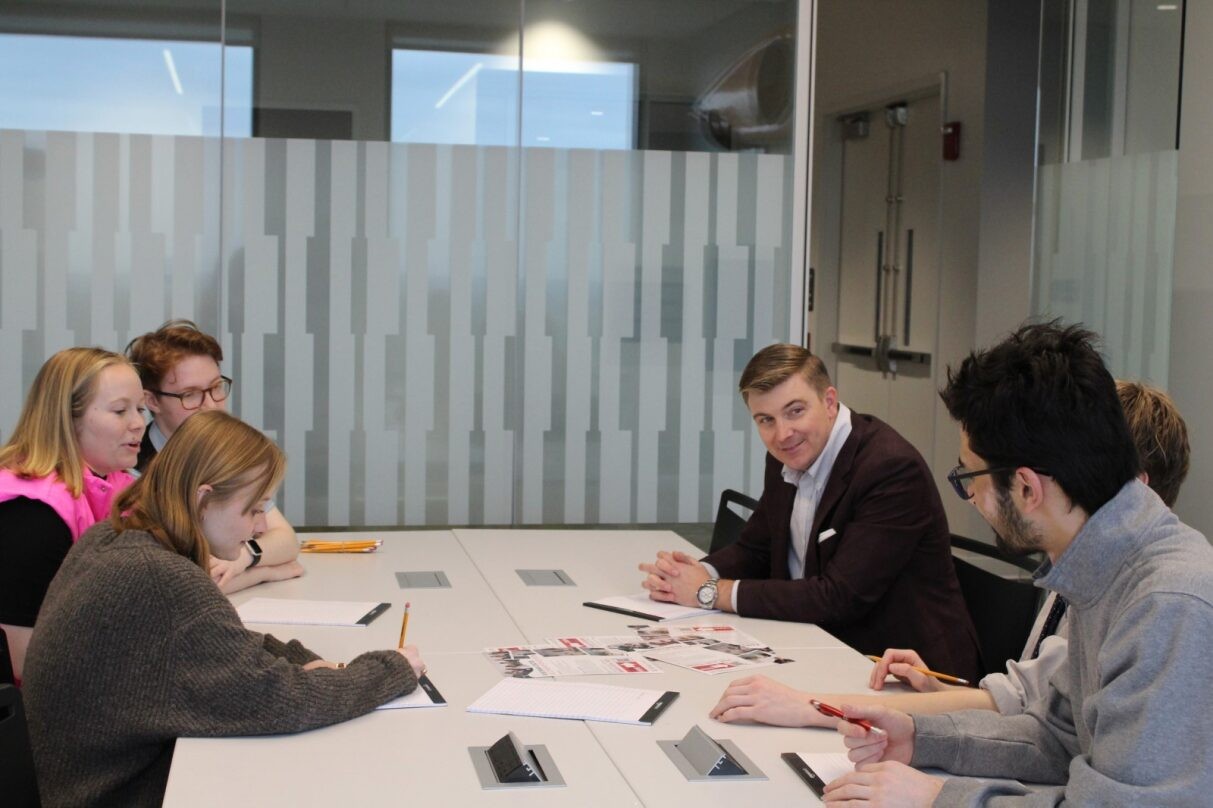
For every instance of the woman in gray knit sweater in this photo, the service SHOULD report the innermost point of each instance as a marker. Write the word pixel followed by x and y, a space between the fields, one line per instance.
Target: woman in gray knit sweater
pixel 136 646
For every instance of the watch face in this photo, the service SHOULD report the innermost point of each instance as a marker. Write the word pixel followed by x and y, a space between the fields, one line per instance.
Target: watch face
pixel 706 595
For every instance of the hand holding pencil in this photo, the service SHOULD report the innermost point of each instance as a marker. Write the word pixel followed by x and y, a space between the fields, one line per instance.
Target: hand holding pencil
pixel 410 652
pixel 906 665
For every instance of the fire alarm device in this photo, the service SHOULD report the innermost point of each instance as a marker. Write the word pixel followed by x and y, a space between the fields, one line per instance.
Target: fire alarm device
pixel 951 140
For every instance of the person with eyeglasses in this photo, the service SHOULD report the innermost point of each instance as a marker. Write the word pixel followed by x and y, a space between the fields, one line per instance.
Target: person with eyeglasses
pixel 136 647
pixel 179 366
pixel 1161 437
pixel 1124 720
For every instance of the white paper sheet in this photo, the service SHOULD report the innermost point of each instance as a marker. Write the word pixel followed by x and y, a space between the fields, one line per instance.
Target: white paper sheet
pixel 829 766
pixel 421 697
pixel 292 612
pixel 643 606
pixel 543 699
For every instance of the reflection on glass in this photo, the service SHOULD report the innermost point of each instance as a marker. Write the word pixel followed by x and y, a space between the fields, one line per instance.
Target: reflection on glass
pixel 1109 78
pixel 1107 180
pixel 144 86
pixel 471 98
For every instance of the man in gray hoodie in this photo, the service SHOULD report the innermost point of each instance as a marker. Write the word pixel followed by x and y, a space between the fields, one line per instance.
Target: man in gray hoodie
pixel 1046 458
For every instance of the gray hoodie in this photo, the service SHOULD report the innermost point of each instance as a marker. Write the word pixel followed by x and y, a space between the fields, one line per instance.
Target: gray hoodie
pixel 1126 721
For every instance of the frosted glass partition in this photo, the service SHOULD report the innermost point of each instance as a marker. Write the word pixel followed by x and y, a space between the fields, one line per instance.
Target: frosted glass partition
pixel 531 308
pixel 374 321
pixel 102 237
pixel 1105 238
pixel 1106 183
pixel 650 278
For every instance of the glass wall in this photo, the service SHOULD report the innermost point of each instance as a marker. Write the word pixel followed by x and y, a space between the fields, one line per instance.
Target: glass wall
pixel 1107 183
pixel 471 262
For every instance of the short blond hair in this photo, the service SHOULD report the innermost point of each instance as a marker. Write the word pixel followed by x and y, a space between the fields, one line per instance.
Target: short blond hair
pixel 210 448
pixel 44 439
pixel 1160 435
pixel 775 364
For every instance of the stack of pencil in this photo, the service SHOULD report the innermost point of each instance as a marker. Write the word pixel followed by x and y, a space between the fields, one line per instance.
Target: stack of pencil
pixel 317 546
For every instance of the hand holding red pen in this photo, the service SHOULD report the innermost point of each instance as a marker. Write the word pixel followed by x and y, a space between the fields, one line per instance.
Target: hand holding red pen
pixel 891 738
pixel 834 712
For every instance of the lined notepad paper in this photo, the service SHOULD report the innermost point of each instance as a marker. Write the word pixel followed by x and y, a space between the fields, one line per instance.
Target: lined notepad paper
pixel 584 702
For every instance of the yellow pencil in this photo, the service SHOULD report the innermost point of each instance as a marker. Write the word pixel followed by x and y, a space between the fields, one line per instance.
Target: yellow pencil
pixel 331 545
pixel 943 677
pixel 313 546
pixel 340 550
pixel 404 625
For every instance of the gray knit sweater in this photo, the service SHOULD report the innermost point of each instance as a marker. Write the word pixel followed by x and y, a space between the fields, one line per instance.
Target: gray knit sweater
pixel 136 647
pixel 1126 720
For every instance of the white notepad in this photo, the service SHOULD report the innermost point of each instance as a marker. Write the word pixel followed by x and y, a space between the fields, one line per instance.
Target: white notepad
pixel 643 606
pixel 829 766
pixel 292 612
pixel 543 699
pixel 425 695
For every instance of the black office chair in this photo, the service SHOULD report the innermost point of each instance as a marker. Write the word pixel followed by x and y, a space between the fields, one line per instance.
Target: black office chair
pixel 7 674
pixel 728 522
pixel 17 781
pixel 1002 609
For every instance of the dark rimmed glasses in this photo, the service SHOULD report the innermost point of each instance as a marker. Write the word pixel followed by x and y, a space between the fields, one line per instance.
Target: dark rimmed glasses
pixel 962 481
pixel 192 399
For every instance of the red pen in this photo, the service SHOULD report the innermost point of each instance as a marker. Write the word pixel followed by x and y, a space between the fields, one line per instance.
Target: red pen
pixel 834 712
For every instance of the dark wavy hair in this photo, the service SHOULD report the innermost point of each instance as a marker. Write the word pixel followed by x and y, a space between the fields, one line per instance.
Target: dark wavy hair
pixel 1043 398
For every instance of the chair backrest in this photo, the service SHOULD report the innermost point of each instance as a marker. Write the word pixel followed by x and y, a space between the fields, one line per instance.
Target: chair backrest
pixel 728 522
pixel 1003 609
pixel 18 783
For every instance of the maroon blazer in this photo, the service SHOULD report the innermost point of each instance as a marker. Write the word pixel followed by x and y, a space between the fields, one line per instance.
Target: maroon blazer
pixel 885 579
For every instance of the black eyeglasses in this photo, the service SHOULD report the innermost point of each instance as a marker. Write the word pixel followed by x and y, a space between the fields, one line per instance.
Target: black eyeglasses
pixel 962 481
pixel 192 399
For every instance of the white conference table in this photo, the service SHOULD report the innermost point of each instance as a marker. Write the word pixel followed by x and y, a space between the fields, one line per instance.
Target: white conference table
pixel 465 617
pixel 657 781
pixel 601 563
pixel 402 756
pixel 413 757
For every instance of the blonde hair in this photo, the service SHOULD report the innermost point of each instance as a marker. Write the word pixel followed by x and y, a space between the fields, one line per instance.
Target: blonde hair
pixel 44 439
pixel 210 448
pixel 1160 435
pixel 775 364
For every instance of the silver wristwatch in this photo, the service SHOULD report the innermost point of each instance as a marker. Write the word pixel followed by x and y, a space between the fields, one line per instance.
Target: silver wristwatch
pixel 706 596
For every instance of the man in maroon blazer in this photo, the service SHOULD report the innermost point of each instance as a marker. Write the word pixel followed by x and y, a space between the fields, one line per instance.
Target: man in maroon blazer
pixel 849 533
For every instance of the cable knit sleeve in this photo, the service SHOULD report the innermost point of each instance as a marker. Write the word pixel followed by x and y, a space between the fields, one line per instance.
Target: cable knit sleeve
pixel 293 651
pixel 227 680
